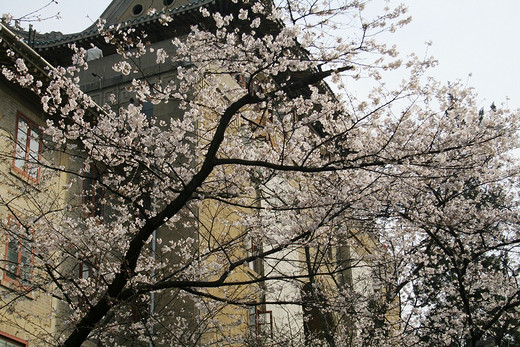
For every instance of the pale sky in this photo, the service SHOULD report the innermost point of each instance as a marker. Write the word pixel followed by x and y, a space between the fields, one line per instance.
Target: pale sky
pixel 480 37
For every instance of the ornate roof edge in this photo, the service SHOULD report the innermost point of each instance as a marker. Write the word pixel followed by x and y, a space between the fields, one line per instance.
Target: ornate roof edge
pixel 56 38
pixel 10 40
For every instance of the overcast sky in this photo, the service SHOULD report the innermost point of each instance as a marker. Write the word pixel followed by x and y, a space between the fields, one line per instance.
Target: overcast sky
pixel 480 37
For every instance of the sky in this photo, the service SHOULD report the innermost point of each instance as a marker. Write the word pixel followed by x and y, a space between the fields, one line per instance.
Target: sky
pixel 477 37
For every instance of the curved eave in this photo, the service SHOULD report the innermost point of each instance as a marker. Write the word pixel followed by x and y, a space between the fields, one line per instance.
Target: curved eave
pixel 10 42
pixel 57 51
pixel 146 20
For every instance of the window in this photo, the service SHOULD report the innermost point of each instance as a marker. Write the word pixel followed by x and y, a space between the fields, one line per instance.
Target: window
pixel 316 319
pixel 27 147
pixel 148 109
pixel 93 193
pixel 140 306
pixel 85 270
pixel 137 9
pixel 252 249
pixel 261 323
pixel 18 254
pixel 11 341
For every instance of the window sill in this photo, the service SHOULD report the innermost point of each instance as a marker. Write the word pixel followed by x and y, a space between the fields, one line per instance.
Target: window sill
pixel 25 177
pixel 15 286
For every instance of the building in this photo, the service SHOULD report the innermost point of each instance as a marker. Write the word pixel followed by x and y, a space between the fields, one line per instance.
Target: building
pixel 243 314
pixel 26 311
pixel 103 85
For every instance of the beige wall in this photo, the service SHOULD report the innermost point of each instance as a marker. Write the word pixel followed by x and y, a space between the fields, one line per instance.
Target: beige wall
pixel 27 316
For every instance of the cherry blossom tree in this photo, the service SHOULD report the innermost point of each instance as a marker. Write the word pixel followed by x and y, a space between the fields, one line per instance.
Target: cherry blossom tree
pixel 393 217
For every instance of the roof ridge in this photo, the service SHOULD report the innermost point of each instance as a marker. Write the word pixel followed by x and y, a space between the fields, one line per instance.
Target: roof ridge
pixel 56 38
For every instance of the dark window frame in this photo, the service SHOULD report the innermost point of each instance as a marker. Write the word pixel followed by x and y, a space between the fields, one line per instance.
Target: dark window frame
pixel 253 250
pixel 20 244
pixel 93 194
pixel 85 270
pixel 261 328
pixel 23 159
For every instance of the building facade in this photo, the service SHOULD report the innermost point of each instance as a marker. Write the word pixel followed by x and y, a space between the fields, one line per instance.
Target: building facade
pixel 237 315
pixel 28 311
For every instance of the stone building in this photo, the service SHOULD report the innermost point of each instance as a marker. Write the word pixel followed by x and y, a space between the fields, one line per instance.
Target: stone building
pixel 26 311
pixel 21 117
